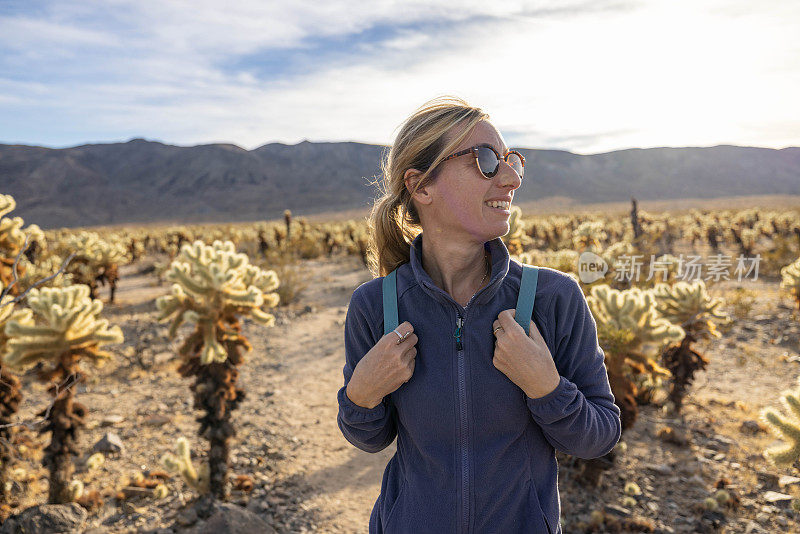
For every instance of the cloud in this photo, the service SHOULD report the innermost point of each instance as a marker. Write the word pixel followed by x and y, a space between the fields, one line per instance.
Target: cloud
pixel 583 76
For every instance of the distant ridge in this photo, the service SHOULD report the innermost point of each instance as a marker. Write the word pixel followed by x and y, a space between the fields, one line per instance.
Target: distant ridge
pixel 143 181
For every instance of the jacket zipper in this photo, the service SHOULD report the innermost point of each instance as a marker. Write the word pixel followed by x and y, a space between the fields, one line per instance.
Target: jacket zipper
pixel 462 393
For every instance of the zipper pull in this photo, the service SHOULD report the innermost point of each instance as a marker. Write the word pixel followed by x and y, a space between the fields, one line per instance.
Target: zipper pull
pixel 457 335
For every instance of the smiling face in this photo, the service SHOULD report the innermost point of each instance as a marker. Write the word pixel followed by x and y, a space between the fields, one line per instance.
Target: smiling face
pixel 455 203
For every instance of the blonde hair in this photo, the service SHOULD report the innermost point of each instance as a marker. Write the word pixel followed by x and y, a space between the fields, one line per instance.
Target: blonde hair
pixel 394 222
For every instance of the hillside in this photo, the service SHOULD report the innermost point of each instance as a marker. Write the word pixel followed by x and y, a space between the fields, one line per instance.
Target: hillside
pixel 143 181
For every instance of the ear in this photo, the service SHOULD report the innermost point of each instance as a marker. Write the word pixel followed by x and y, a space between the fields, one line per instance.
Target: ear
pixel 421 195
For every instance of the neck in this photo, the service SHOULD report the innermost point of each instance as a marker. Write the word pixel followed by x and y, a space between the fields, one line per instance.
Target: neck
pixel 459 267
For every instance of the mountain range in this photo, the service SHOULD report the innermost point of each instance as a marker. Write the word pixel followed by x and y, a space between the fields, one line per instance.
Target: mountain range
pixel 144 181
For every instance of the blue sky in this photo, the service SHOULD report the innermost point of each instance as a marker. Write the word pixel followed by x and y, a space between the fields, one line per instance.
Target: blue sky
pixel 586 76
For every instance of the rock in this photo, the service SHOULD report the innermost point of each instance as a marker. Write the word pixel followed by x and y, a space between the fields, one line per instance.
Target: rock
pixel 753 528
pixel 723 443
pixel 713 519
pixel 111 419
pixel 768 480
pixel 231 518
pixel 157 419
pixel 661 469
pixel 46 518
pixel 163 358
pixel 787 480
pixel 780 499
pixel 187 517
pixel 110 442
pixel 617 510
pixel 751 426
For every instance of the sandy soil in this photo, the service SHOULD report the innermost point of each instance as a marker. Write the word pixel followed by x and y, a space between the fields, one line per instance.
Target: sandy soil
pixel 308 478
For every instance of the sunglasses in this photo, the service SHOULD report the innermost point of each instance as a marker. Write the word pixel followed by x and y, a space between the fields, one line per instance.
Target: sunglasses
pixel 488 160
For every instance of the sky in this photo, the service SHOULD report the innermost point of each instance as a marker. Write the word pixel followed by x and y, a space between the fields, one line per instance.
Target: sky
pixel 585 76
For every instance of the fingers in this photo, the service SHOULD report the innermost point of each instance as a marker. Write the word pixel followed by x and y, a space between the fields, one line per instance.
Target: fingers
pixel 407 330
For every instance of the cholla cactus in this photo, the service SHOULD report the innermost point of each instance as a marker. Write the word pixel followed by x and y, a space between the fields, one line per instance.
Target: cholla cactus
pixel 631 333
pixel 97 260
pixel 633 311
pixel 182 464
pixel 785 426
pixel 791 280
pixel 588 236
pixel 68 331
pixel 564 260
pixel 12 239
pixel 214 285
pixel 516 239
pixel 690 306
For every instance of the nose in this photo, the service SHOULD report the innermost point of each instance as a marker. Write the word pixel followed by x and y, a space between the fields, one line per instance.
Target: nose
pixel 508 176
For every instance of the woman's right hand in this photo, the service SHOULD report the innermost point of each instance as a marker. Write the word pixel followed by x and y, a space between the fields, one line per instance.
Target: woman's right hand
pixel 386 367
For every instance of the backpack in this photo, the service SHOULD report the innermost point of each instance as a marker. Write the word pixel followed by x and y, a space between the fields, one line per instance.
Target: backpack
pixel 523 314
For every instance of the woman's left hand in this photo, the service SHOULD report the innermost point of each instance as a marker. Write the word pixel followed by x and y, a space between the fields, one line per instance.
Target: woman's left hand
pixel 524 359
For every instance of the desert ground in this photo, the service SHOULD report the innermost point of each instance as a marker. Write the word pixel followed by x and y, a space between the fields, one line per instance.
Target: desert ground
pixel 308 478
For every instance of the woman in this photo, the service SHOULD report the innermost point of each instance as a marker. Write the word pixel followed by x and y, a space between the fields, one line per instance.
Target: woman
pixel 477 416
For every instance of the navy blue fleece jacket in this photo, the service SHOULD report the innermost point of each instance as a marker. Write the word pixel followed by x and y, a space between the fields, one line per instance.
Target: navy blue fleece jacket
pixel 475 454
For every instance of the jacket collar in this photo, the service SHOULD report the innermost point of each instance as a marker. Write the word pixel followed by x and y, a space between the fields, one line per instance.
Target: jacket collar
pixel 500 265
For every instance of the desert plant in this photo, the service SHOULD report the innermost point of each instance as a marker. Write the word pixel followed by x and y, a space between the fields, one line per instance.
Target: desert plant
pixel 791 280
pixel 97 261
pixel 786 426
pixel 516 239
pixel 61 327
pixel 213 286
pixel 690 306
pixel 181 463
pixel 631 333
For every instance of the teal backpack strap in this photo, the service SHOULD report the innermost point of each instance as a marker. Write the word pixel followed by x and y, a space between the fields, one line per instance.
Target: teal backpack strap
pixel 390 321
pixel 527 294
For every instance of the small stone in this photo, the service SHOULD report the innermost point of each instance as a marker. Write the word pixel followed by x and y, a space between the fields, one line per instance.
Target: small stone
pixel 110 442
pixel 187 517
pixel 753 528
pixel 723 442
pixel 111 420
pixel 768 480
pixel 163 358
pixel 751 426
pixel 787 480
pixel 157 419
pixel 661 469
pixel 617 510
pixel 780 499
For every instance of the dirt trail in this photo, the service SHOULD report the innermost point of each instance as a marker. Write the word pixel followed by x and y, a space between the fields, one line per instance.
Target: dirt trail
pixel 346 480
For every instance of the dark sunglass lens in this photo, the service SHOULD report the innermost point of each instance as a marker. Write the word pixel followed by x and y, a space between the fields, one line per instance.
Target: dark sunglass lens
pixel 487 161
pixel 516 163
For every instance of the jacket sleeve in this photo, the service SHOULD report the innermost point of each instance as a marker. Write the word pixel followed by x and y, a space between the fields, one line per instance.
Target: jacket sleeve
pixel 369 429
pixel 579 416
